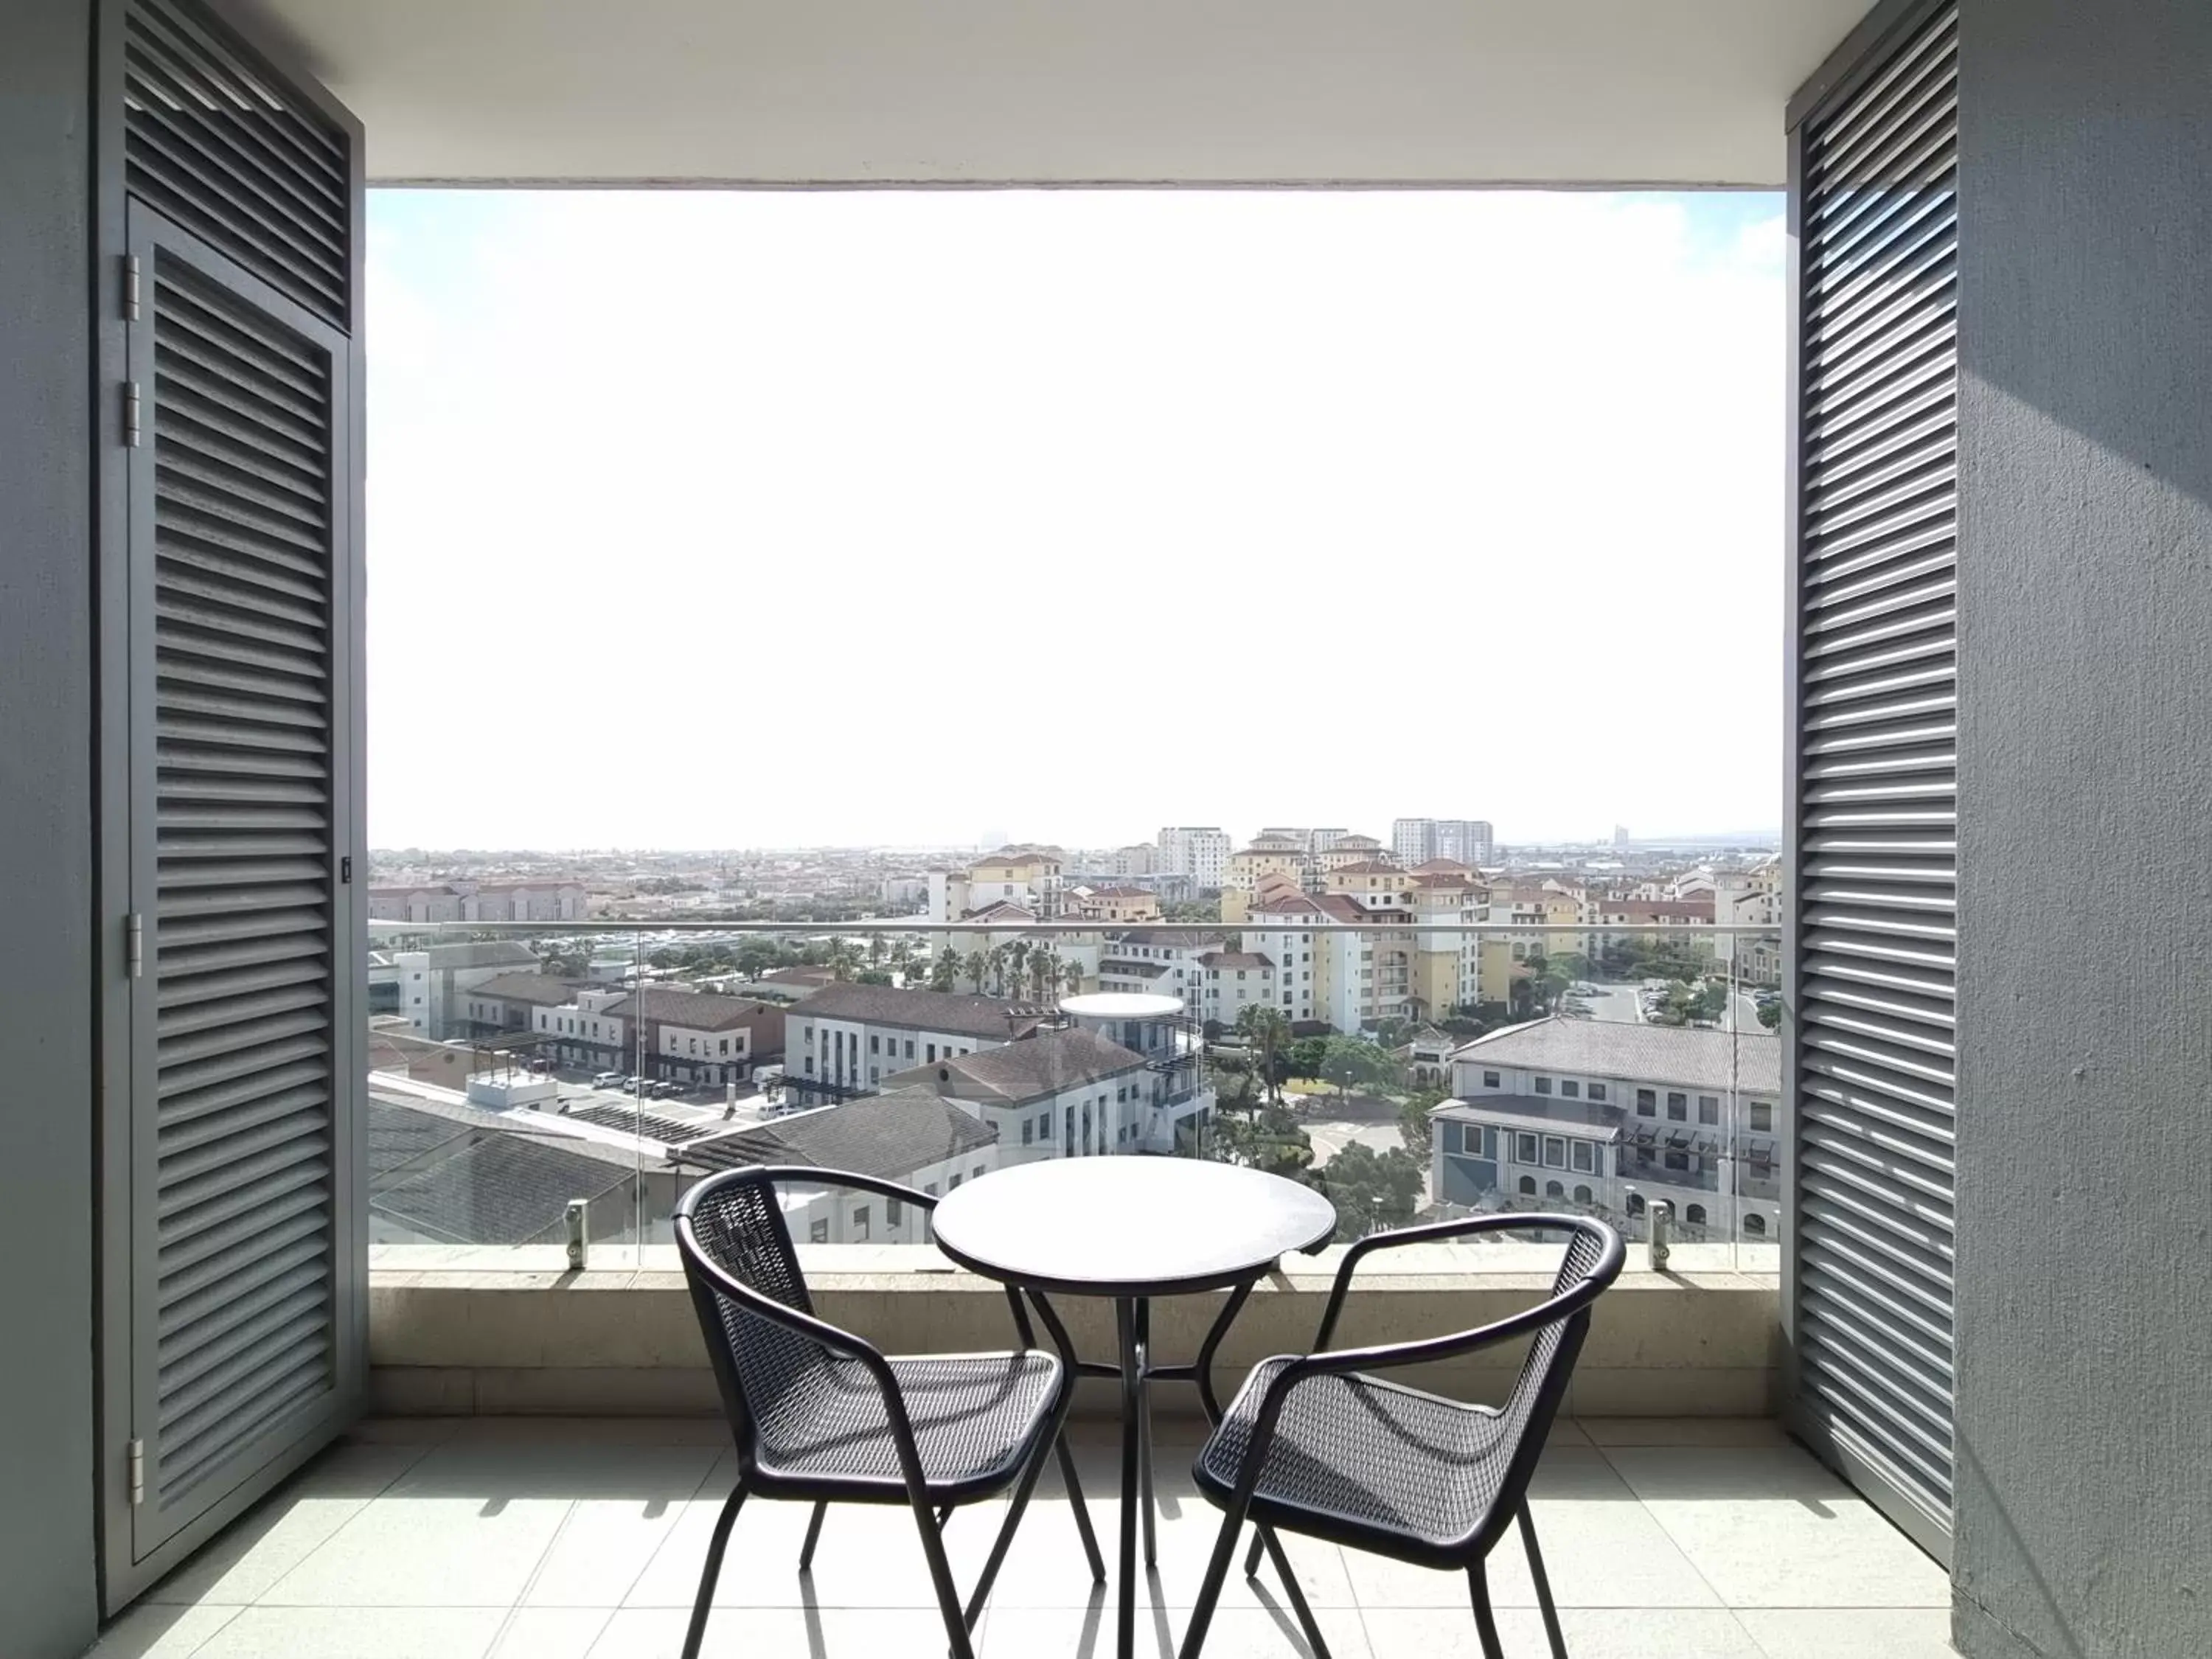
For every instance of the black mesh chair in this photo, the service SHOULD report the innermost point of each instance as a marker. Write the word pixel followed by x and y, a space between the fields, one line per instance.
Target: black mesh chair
pixel 1315 1444
pixel 819 1415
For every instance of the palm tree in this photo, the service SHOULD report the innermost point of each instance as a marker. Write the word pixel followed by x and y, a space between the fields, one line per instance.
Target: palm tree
pixel 947 971
pixel 875 949
pixel 843 960
pixel 978 964
pixel 1044 971
pixel 1016 954
pixel 1000 956
pixel 1263 1023
pixel 1072 971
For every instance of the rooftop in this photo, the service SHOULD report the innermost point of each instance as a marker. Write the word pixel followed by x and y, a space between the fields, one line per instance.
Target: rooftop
pixel 538 989
pixel 1235 959
pixel 443 1177
pixel 695 1011
pixel 890 1134
pixel 1695 1058
pixel 956 1012
pixel 1022 1071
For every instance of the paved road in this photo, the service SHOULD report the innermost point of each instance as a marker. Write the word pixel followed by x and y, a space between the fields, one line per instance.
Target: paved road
pixel 1331 1136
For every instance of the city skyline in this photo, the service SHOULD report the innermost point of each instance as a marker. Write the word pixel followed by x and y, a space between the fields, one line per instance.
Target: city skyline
pixel 1278 502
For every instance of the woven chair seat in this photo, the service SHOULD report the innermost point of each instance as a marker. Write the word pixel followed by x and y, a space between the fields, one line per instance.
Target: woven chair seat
pixel 1360 1451
pixel 974 1417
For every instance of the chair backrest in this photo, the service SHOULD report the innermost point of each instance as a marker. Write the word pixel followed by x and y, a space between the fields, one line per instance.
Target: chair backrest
pixel 1592 1262
pixel 731 1233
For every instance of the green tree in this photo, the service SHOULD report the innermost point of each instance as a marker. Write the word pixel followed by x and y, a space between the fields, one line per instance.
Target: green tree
pixel 844 960
pixel 1269 1139
pixel 1769 1014
pixel 1413 1120
pixel 1044 971
pixel 978 967
pixel 1072 971
pixel 1017 954
pixel 1372 1191
pixel 1263 1026
pixel 945 970
pixel 1304 1057
pixel 1352 1063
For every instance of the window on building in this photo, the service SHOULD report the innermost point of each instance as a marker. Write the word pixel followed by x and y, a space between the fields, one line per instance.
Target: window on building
pixel 806 1036
pixel 1762 1116
pixel 1582 1155
pixel 1709 1109
pixel 1452 1141
pixel 1029 1133
pixel 910 1047
pixel 1490 1080
pixel 1524 1149
pixel 1695 1215
pixel 1677 1106
pixel 1528 1185
pixel 1678 1161
pixel 1543 1085
pixel 933 1051
pixel 953 1185
pixel 1597 1091
pixel 929 1188
pixel 1636 1204
pixel 1570 1089
pixel 861 1222
pixel 1555 1152
pixel 875 1043
pixel 817 1232
pixel 1554 1189
pixel 1582 1194
pixel 894 1211
pixel 1647 1103
pixel 810 1065
pixel 1754 1225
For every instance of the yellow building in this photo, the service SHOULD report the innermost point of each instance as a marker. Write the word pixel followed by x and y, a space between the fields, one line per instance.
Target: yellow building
pixel 1264 857
pixel 1448 900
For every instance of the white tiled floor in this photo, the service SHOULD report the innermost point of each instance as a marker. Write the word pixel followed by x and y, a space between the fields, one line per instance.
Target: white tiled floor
pixel 537 1540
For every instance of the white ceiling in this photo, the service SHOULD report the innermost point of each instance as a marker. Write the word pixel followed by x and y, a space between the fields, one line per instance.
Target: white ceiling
pixel 1685 92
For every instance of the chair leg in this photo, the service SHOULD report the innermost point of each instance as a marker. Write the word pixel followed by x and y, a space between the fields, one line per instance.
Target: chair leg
pixel 940 1575
pixel 1023 1488
pixel 1486 1622
pixel 1082 1511
pixel 1209 1591
pixel 1543 1584
pixel 704 1604
pixel 813 1536
pixel 1252 1555
pixel 1291 1590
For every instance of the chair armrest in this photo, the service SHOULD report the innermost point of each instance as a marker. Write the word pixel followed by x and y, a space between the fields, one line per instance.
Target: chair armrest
pixel 1434 1233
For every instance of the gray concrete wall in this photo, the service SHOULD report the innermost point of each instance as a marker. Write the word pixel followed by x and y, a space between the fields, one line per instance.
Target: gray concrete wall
pixel 2084 1506
pixel 48 1602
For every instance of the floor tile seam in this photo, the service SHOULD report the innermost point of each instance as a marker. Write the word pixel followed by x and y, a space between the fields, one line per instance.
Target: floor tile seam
pixel 1682 1548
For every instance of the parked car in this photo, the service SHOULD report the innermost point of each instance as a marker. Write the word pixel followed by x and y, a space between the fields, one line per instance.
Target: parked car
pixel 608 1079
pixel 664 1088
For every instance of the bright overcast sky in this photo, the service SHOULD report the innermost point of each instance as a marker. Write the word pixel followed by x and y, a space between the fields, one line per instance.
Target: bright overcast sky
pixel 702 520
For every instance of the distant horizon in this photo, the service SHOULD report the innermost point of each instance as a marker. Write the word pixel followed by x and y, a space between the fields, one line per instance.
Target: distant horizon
pixel 1772 838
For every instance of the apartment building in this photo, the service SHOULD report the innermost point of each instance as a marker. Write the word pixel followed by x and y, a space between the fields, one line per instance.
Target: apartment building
pixel 1233 982
pixel 1309 841
pixel 429 989
pixel 1270 855
pixel 1609 1117
pixel 1465 841
pixel 1157 963
pixel 850 1038
pixel 1138 859
pixel 1111 904
pixel 1448 900
pixel 1199 852
pixel 1649 921
pixel 684 1036
pixel 1341 852
pixel 480 901
pixel 1282 928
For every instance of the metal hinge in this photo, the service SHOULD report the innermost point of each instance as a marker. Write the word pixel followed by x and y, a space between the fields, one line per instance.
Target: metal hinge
pixel 345 871
pixel 130 288
pixel 134 945
pixel 132 431
pixel 134 1453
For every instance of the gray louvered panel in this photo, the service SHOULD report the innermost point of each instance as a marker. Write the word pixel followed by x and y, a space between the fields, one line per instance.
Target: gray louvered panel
pixel 1875 704
pixel 219 146
pixel 243 845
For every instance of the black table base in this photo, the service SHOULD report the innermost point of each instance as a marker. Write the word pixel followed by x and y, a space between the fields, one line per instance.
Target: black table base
pixel 1136 1370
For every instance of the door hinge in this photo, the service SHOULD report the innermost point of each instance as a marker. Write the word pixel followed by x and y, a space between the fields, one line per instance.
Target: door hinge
pixel 130 288
pixel 134 942
pixel 345 870
pixel 135 1454
pixel 132 432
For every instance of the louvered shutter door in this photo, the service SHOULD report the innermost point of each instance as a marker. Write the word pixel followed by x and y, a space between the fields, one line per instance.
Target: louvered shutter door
pixel 239 631
pixel 1870 1296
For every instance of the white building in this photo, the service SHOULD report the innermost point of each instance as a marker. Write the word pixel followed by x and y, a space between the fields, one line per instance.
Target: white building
pixel 1235 981
pixel 685 1036
pixel 1197 852
pixel 1607 1117
pixel 1466 841
pixel 1157 964
pixel 1062 1094
pixel 1139 859
pixel 1283 930
pixel 432 986
pixel 849 1039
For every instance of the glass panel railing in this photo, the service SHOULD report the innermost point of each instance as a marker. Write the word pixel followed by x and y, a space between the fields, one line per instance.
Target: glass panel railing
pixel 531 1077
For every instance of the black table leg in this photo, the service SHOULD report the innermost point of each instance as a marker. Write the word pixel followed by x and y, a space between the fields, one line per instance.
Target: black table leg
pixel 1125 1321
pixel 1145 1426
